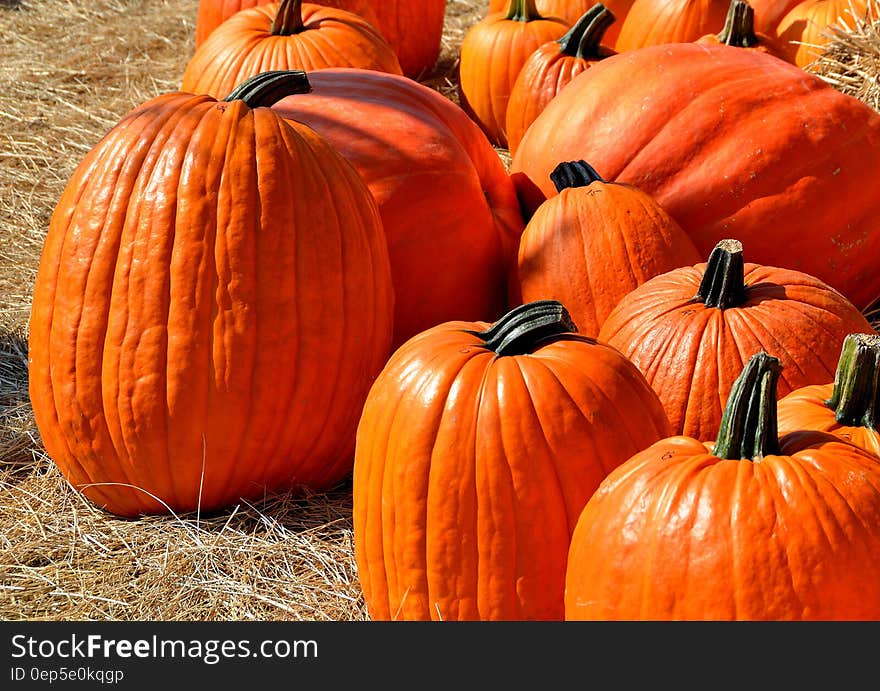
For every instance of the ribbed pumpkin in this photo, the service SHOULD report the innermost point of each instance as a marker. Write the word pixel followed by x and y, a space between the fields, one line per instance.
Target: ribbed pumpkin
pixel 212 304
pixel 752 527
pixel 572 10
pixel 554 65
pixel 804 29
pixel 448 206
pixel 848 407
pixel 414 28
pixel 690 330
pixel 212 13
pixel 477 449
pixel 654 22
pixel 492 54
pixel 290 35
pixel 732 143
pixel 594 243
pixel 739 32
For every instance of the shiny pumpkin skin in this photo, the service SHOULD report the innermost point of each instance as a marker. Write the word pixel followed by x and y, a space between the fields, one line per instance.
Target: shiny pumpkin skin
pixel 244 46
pixel 731 143
pixel 676 533
pixel 655 22
pixel 448 206
pixel 471 469
pixel 199 336
pixel 691 354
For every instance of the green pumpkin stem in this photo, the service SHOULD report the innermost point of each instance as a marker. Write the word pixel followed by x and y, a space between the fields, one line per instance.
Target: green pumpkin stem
pixel 855 398
pixel 585 36
pixel 267 88
pixel 288 20
pixel 523 11
pixel 525 327
pixel 571 174
pixel 723 284
pixel 748 426
pixel 739 26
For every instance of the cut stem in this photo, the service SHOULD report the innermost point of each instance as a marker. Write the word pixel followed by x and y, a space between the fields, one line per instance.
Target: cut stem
pixel 288 20
pixel 739 26
pixel 855 398
pixel 573 174
pixel 584 38
pixel 723 283
pixel 523 11
pixel 267 88
pixel 524 328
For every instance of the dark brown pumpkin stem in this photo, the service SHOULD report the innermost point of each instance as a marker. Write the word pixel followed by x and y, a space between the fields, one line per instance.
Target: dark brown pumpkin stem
pixel 855 398
pixel 267 88
pixel 584 38
pixel 739 26
pixel 288 20
pixel 723 284
pixel 572 174
pixel 525 327
pixel 523 11
pixel 748 426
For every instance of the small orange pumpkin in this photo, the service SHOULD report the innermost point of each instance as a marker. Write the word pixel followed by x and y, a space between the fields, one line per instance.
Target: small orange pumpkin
pixel 654 22
pixel 572 10
pixel 739 31
pixel 803 30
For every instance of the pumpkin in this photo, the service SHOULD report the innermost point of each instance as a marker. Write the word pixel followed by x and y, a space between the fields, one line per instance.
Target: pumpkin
pixel 753 527
pixel 572 10
pixel 212 304
pixel 594 243
pixel 768 13
pixel 450 212
pixel 414 28
pixel 848 407
pixel 285 36
pixel 654 22
pixel 492 54
pixel 212 13
pixel 690 330
pixel 739 31
pixel 554 65
pixel 804 29
pixel 732 143
pixel 477 448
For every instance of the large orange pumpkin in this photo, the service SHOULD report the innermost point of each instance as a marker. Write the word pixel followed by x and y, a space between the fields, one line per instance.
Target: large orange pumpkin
pixel 848 407
pixel 732 143
pixel 212 304
pixel 448 206
pixel 804 28
pixel 492 54
pixel 594 243
pixel 752 527
pixel 477 448
pixel 690 330
pixel 653 22
pixel 572 10
pixel 290 35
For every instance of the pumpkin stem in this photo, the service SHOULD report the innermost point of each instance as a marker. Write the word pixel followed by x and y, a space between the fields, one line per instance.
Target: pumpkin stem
pixel 574 174
pixel 723 283
pixel 748 426
pixel 739 26
pixel 583 39
pixel 522 329
pixel 267 88
pixel 855 398
pixel 288 20
pixel 523 11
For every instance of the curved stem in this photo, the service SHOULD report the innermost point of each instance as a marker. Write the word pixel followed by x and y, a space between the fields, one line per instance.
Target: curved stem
pixel 523 11
pixel 288 20
pixel 739 26
pixel 572 174
pixel 267 88
pixel 526 327
pixel 723 283
pixel 855 398
pixel 748 427
pixel 585 36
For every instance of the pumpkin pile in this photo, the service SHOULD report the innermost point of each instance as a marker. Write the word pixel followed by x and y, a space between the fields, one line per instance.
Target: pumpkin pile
pixel 628 376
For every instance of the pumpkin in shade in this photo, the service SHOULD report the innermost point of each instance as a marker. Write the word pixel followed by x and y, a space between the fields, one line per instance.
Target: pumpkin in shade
pixel 290 35
pixel 739 31
pixel 848 407
pixel 690 330
pixel 594 243
pixel 732 143
pixel 751 527
pixel 414 28
pixel 212 13
pixel 654 22
pixel 450 212
pixel 492 54
pixel 477 449
pixel 212 304
pixel 768 13
pixel 554 65
pixel 572 10
pixel 805 28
